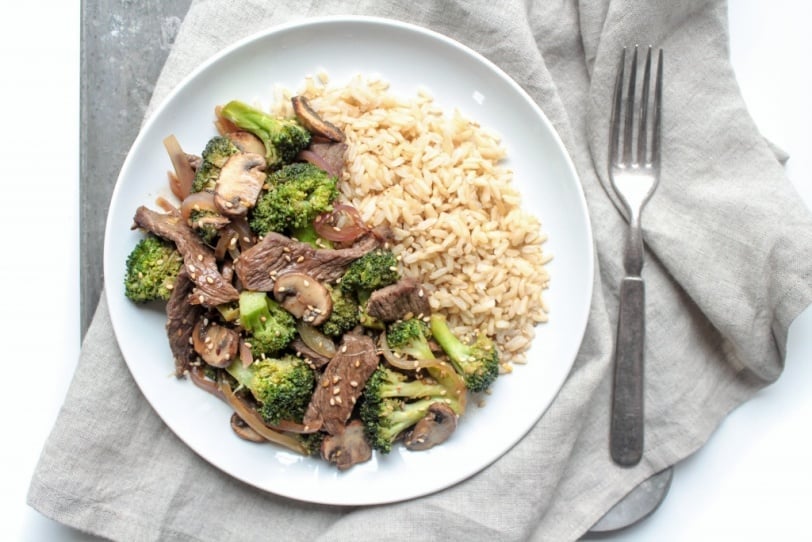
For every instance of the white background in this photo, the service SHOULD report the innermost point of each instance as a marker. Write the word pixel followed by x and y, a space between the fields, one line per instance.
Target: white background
pixel 753 479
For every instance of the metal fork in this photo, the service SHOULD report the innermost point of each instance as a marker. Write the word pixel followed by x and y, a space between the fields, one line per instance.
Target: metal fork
pixel 634 169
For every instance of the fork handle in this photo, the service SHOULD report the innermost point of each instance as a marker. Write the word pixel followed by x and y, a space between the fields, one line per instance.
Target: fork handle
pixel 626 433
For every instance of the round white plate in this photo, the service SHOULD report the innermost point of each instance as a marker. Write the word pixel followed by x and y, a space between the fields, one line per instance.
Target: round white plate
pixel 409 58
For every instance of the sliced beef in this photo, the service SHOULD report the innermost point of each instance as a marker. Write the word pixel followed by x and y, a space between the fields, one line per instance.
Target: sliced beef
pixel 180 321
pixel 404 299
pixel 258 267
pixel 211 288
pixel 327 155
pixel 308 354
pixel 341 384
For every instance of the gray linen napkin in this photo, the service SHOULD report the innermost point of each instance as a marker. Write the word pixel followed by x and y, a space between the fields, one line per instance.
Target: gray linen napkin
pixel 727 271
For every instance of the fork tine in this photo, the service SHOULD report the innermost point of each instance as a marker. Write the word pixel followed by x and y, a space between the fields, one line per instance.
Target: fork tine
pixel 627 135
pixel 658 100
pixel 642 130
pixel 617 100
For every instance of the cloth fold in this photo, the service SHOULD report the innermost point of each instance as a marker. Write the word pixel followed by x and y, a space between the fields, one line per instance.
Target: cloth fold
pixel 727 271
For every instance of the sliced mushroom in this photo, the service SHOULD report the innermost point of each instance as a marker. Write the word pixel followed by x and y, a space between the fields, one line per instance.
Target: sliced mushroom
pixel 240 183
pixel 216 344
pixel 303 297
pixel 313 122
pixel 244 431
pixel 247 142
pixel 347 448
pixel 434 428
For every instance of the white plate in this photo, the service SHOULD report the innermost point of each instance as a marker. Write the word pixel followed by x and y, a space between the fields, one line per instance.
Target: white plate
pixel 410 58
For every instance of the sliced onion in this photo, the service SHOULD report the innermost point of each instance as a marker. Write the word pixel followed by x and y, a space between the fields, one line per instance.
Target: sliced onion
pixel 316 340
pixel 223 125
pixel 317 160
pixel 407 364
pixel 197 201
pixel 255 421
pixel 343 224
pixel 223 246
pixel 184 174
pixel 243 231
pixel 197 376
pixel 166 205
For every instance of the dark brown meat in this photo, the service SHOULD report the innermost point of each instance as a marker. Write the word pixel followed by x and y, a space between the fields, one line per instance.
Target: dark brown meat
pixel 180 321
pixel 341 384
pixel 328 156
pixel 258 267
pixel 405 299
pixel 308 354
pixel 211 288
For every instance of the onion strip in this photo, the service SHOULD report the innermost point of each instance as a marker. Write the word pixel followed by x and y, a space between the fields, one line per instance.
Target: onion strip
pixel 184 174
pixel 316 340
pixel 344 224
pixel 255 422
pixel 407 364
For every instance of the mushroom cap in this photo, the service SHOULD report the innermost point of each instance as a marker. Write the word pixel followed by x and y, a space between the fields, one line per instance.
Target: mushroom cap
pixel 240 183
pixel 244 431
pixel 304 297
pixel 347 448
pixel 313 122
pixel 433 429
pixel 217 345
pixel 247 142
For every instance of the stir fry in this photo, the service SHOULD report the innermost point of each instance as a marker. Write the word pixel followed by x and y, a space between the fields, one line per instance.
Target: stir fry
pixel 283 303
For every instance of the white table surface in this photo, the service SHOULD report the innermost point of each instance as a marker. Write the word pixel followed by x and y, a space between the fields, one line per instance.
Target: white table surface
pixel 753 479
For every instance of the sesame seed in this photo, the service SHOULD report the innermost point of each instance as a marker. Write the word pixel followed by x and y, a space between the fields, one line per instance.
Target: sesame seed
pixel 201 298
pixel 306 283
pixel 210 280
pixel 332 401
pixel 336 379
pixel 354 383
pixel 338 399
pixel 358 363
pixel 200 257
pixel 336 390
pixel 344 348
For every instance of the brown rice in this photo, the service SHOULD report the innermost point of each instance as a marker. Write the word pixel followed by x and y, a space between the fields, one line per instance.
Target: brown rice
pixel 437 181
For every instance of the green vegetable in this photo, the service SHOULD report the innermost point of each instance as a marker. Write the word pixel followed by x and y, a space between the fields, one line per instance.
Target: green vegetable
pixel 297 194
pixel 270 327
pixel 282 386
pixel 393 402
pixel 477 363
pixel 214 156
pixel 151 269
pixel 410 337
pixel 373 270
pixel 344 316
pixel 283 138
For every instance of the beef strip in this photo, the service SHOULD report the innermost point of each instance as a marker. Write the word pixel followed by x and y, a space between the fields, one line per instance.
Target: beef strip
pixel 211 288
pixel 258 267
pixel 328 156
pixel 341 384
pixel 180 320
pixel 308 354
pixel 404 299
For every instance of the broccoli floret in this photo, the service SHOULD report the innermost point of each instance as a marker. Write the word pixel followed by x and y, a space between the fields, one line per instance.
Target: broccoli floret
pixel 207 224
pixel 214 157
pixel 373 270
pixel 298 193
pixel 151 269
pixel 282 386
pixel 477 363
pixel 344 316
pixel 410 337
pixel 393 402
pixel 283 138
pixel 271 328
